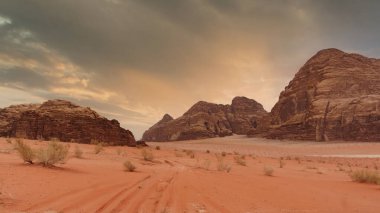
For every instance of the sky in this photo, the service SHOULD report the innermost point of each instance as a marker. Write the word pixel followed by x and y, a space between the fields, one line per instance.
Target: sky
pixel 135 60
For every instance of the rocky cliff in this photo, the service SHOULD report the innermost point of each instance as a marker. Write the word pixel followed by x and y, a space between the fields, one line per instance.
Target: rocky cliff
pixel 206 120
pixel 63 120
pixel 334 96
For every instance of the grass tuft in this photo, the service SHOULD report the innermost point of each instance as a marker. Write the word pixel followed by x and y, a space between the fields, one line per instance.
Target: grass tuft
pixel 78 153
pixel 128 166
pixel 268 171
pixel 98 148
pixel 365 176
pixel 25 151
pixel 239 159
pixel 221 166
pixel 53 154
pixel 147 155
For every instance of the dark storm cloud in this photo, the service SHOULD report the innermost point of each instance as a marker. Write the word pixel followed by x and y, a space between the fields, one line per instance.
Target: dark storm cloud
pixel 22 78
pixel 136 59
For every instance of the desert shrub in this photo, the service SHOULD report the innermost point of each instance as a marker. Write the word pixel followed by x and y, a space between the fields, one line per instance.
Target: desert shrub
pixel 78 152
pixel 240 160
pixel 53 139
pixel 54 153
pixel 224 154
pixel 25 151
pixel 119 151
pixel 206 164
pixel 178 154
pixel 268 171
pixel 365 176
pixel 207 151
pixel 281 163
pixel 297 159
pixel 147 155
pixel 158 148
pixel 94 142
pixel 190 153
pixel 98 148
pixel 128 166
pixel 221 166
pixel 9 140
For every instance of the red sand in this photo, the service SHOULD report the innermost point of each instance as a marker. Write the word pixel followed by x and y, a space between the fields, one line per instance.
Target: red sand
pixel 174 182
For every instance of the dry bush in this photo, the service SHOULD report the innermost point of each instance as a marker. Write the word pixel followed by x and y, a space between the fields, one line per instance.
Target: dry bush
pixel 268 171
pixel 78 152
pixel 54 153
pixel 240 160
pixel 25 151
pixel 190 153
pixel 281 163
pixel 206 164
pixel 9 140
pixel 119 151
pixel 207 151
pixel 221 166
pixel 147 155
pixel 365 176
pixel 178 154
pixel 128 166
pixel 158 148
pixel 98 148
pixel 224 154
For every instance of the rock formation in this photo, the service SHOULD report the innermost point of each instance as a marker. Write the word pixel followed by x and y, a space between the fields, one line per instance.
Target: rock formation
pixel 206 120
pixel 334 96
pixel 62 120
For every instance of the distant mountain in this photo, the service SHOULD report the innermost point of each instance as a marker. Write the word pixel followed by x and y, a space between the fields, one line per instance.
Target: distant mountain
pixel 334 96
pixel 206 120
pixel 63 120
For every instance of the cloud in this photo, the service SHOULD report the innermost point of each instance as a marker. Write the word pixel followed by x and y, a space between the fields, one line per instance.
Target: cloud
pixel 135 60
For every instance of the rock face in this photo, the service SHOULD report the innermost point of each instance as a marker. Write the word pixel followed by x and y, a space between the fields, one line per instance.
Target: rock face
pixel 63 120
pixel 206 120
pixel 334 96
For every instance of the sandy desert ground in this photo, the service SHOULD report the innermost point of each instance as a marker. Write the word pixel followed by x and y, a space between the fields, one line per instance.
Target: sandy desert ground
pixel 313 178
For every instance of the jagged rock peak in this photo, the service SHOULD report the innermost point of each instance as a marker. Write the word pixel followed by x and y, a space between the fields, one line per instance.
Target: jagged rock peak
pixel 206 120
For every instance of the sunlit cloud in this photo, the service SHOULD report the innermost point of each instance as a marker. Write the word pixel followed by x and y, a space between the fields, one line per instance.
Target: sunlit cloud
pixel 5 21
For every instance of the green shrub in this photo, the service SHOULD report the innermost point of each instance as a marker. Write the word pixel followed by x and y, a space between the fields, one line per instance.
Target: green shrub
pixel 129 167
pixel 54 153
pixel 25 151
pixel 365 176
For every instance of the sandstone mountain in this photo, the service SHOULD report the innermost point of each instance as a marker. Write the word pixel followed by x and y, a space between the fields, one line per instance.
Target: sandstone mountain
pixel 334 96
pixel 63 120
pixel 206 120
